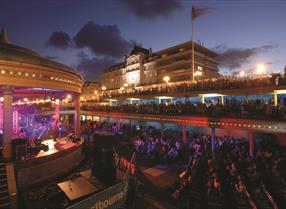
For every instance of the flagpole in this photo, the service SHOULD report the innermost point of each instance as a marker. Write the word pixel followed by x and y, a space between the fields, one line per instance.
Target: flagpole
pixel 193 49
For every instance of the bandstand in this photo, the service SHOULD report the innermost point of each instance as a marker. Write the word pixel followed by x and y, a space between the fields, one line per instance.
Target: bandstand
pixel 24 75
pixel 28 79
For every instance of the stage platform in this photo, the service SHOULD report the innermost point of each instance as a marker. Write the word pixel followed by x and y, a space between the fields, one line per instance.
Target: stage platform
pixel 62 157
pixel 55 146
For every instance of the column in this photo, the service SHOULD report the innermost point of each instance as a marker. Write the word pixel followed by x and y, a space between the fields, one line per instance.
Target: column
pixel 159 100
pixel 222 99
pixel 57 111
pixel 251 143
pixel 1 114
pixel 184 134
pixel 77 114
pixel 161 127
pixel 202 99
pixel 15 120
pixel 7 122
pixel 213 139
pixel 275 99
pixel 142 123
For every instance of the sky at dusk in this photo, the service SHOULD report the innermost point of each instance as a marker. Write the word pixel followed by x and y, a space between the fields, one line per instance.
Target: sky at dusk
pixel 90 35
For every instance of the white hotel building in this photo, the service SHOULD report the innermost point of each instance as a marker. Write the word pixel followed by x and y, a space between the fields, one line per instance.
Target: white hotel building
pixel 144 67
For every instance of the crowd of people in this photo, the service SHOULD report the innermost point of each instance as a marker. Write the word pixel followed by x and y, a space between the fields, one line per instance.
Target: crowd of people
pixel 148 142
pixel 231 177
pixel 233 108
pixel 216 84
pixel 159 145
pixel 221 178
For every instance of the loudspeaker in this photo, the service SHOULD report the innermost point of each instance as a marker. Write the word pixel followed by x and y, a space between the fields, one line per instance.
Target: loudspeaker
pixel 105 175
pixel 19 148
pixel 21 152
pixel 106 158
pixel 104 168
pixel 103 145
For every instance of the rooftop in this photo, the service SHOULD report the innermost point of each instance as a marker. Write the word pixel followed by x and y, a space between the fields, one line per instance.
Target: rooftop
pixel 158 54
pixel 11 52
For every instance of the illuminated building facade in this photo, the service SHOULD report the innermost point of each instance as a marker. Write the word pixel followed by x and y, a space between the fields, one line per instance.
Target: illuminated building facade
pixel 143 67
pixel 90 91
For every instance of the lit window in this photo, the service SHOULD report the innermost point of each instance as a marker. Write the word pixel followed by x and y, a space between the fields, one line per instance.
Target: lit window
pixel 200 68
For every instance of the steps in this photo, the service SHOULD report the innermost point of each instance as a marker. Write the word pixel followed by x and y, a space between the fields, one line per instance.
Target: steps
pixel 4 193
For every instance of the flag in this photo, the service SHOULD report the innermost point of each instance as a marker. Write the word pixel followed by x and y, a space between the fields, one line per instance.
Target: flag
pixel 196 12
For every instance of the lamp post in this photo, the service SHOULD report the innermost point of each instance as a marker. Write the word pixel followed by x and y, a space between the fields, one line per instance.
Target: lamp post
pixel 166 79
pixel 103 89
pixel 125 86
pixel 261 69
pixel 198 74
pixel 242 74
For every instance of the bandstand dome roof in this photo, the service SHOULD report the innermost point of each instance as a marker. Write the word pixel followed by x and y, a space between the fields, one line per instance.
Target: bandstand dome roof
pixel 33 63
pixel 17 53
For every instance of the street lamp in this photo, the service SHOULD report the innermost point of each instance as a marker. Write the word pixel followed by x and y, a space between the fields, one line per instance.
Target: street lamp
pixel 261 69
pixel 103 88
pixel 121 90
pixel 198 74
pixel 166 79
pixel 241 74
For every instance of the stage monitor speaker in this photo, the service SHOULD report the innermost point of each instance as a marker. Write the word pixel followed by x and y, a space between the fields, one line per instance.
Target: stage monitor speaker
pixel 21 152
pixel 18 142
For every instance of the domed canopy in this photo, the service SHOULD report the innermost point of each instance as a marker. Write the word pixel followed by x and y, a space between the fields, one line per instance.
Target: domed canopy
pixel 18 61
pixel 21 54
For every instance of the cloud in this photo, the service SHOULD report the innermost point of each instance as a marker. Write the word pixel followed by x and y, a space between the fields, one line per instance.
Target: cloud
pixel 103 40
pixel 233 58
pixel 150 9
pixel 91 68
pixel 251 71
pixel 59 39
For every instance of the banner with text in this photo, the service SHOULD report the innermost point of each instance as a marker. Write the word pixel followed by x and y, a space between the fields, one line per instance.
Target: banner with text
pixel 110 198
